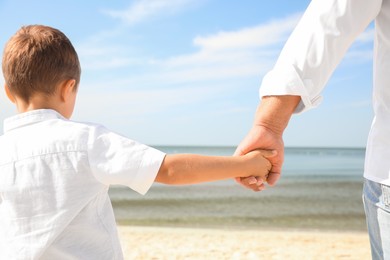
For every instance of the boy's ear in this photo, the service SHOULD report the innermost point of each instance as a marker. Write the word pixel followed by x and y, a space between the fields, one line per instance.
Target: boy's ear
pixel 67 88
pixel 9 94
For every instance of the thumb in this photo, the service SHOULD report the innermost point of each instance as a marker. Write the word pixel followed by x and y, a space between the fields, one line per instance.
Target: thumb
pixel 239 151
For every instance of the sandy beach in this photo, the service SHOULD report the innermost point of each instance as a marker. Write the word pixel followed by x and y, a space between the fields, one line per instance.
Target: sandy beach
pixel 191 243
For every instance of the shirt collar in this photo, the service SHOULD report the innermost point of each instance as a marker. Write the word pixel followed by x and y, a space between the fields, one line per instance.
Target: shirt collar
pixel 30 117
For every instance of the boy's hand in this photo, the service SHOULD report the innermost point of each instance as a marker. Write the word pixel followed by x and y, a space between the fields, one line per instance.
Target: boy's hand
pixel 259 166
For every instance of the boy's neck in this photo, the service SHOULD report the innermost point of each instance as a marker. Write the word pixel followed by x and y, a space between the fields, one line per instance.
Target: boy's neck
pixel 34 103
pixel 39 101
pixel 62 100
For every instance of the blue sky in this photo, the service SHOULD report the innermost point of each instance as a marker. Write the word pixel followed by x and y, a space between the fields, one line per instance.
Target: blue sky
pixel 187 72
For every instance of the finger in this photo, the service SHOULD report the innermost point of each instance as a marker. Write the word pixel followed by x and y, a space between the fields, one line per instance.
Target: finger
pixel 276 168
pixel 261 180
pixel 256 187
pixel 268 153
pixel 261 187
pixel 273 177
pixel 247 181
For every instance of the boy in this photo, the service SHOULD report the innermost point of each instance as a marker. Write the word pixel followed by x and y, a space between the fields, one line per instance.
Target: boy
pixel 55 173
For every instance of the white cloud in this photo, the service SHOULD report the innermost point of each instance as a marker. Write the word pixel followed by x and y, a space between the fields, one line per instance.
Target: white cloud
pixel 139 103
pixel 365 103
pixel 358 56
pixel 97 54
pixel 224 55
pixel 142 10
pixel 228 54
pixel 366 36
pixel 103 62
pixel 251 37
pixel 362 49
pixel 220 59
pixel 189 78
pixel 362 103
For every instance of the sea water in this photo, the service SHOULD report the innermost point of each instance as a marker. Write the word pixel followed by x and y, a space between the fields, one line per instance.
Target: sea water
pixel 320 188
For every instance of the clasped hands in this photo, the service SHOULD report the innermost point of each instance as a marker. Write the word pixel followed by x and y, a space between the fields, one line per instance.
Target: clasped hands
pixel 262 138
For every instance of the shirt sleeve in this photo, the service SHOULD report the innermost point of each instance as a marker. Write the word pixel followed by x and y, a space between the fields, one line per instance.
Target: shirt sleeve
pixel 315 48
pixel 115 159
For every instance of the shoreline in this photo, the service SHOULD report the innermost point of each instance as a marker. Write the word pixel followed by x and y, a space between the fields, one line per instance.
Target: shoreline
pixel 319 226
pixel 308 205
pixel 230 228
pixel 143 242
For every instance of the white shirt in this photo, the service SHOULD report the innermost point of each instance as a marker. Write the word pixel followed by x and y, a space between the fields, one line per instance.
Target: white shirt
pixel 315 48
pixel 55 176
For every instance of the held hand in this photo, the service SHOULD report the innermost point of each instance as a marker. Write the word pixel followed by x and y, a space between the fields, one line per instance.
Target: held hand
pixel 258 164
pixel 264 138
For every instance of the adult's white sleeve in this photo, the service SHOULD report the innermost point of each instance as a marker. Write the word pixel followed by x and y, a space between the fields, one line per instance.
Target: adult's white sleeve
pixel 315 48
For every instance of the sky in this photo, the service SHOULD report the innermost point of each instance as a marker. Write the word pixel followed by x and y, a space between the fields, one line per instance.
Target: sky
pixel 187 72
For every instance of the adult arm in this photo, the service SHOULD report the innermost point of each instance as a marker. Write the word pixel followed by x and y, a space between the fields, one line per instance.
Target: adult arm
pixel 315 48
pixel 308 59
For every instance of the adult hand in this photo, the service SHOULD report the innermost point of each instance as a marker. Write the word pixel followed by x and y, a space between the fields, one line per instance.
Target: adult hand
pixel 261 137
pixel 271 118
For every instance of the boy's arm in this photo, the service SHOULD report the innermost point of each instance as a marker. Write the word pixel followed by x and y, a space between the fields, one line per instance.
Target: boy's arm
pixel 191 169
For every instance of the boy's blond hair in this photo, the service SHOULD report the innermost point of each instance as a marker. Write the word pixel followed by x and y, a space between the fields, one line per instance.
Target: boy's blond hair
pixel 36 59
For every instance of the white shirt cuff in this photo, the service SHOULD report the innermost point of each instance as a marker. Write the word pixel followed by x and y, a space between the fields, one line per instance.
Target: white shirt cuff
pixel 285 81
